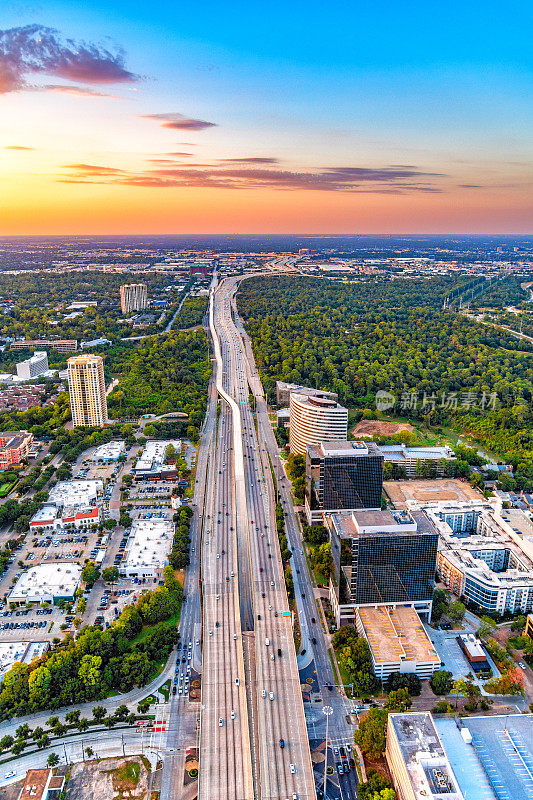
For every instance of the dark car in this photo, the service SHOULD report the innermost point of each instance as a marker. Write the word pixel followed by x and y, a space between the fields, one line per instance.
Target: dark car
pixel 282 743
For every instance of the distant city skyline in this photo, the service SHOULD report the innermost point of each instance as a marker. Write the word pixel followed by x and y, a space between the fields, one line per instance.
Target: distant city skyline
pixel 126 117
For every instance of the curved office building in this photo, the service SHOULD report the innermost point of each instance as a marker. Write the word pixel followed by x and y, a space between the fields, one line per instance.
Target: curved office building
pixel 314 420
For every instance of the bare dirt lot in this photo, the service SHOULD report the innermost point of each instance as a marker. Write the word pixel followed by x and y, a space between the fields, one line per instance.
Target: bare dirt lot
pixel 111 778
pixel 426 491
pixel 375 427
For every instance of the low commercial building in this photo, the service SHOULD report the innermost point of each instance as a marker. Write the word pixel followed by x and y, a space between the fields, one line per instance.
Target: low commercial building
pixel 19 653
pixel 71 504
pixel 47 583
pixel 15 446
pixel 76 493
pixel 529 626
pixel 151 465
pixel 418 763
pixel 485 555
pixel 381 558
pixel 110 451
pixel 42 784
pixel 283 392
pixel 148 548
pixel 397 640
pixel 474 652
pixel 34 366
pixel 416 461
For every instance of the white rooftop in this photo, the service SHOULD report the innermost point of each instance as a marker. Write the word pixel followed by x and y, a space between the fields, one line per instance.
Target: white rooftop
pixel 13 652
pixel 150 543
pixel 153 455
pixel 109 451
pixel 47 580
pixel 76 492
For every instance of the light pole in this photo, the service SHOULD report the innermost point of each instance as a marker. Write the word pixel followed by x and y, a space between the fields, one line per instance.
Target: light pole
pixel 328 711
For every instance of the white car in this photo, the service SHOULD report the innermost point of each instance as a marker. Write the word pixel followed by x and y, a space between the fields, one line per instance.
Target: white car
pixel 10 774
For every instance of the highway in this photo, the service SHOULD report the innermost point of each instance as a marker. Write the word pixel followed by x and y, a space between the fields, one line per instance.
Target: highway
pixel 254 641
pixel 340 732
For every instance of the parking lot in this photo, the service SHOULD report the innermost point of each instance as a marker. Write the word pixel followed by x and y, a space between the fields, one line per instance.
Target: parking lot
pixel 450 653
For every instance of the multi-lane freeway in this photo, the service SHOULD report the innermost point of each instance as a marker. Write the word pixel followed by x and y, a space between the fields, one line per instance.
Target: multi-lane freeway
pixel 253 737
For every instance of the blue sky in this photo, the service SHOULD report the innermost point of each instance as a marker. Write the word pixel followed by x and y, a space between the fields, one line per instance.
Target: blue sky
pixel 444 88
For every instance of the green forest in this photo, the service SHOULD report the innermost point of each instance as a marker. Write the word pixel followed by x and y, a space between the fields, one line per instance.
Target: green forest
pixel 35 304
pixel 192 313
pixel 165 373
pixel 362 337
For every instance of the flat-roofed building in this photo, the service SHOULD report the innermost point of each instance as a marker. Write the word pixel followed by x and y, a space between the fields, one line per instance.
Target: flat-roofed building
pixel 41 784
pixel 485 554
pixel 342 475
pixel 86 385
pixel 397 640
pixel 61 345
pixel 133 297
pixel 110 451
pixel 474 652
pixel 34 366
pixel 147 550
pixel 283 392
pixel 15 447
pixel 19 653
pixel 418 763
pixel 381 558
pixel 76 493
pixel 426 461
pixel 47 583
pixel 152 466
pixel 314 420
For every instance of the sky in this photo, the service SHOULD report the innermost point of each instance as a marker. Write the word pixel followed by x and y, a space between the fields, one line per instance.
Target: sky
pixel 364 116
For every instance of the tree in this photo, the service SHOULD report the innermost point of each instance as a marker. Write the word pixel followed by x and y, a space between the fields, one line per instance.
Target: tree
pixel 6 742
pixel 73 716
pixel 125 519
pixel 99 713
pixel 375 784
pixel 404 680
pixel 487 627
pixel 89 671
pixel 109 524
pixel 371 735
pixel 52 760
pixel 456 611
pixel 170 454
pixel 398 700
pixel 89 752
pixel 110 574
pixel 43 741
pixel 90 573
pixel 441 682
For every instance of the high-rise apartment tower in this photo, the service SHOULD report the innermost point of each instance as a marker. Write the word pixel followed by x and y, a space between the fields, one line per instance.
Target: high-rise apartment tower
pixel 86 387
pixel 133 297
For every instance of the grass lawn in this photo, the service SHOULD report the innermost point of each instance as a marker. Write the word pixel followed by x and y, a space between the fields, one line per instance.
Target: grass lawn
pixel 5 488
pixel 147 628
pixel 165 690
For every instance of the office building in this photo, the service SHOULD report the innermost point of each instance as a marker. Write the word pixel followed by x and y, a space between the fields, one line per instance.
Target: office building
pixel 108 452
pixel 342 475
pixel 133 297
pixel 381 558
pixel 314 420
pixel 61 345
pixel 418 763
pixel 397 641
pixel 15 447
pixel 33 367
pixel 414 461
pixel 283 392
pixel 485 554
pixel 86 385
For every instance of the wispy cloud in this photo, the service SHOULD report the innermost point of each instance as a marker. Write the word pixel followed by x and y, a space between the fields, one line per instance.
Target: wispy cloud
pixel 17 147
pixel 383 180
pixel 179 122
pixel 37 50
pixel 250 160
pixel 77 91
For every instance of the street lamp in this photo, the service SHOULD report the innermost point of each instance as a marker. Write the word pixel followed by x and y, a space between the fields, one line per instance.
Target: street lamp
pixel 328 711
